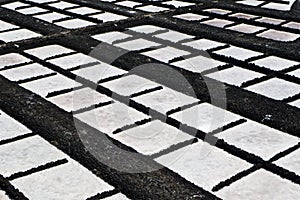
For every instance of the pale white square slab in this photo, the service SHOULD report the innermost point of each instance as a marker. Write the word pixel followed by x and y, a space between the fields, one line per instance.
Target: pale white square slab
pixel 111 37
pixel 245 28
pixel 198 64
pixel 117 197
pixel 275 63
pixel 50 17
pixel 31 10
pixel 147 29
pixel 243 16
pixel 296 103
pixel 173 36
pixel 261 185
pixel 138 44
pixel 220 23
pixel 203 165
pixel 258 139
pixel 129 85
pixel 235 75
pixel 12 59
pixel 238 53
pixel 3 196
pixel 279 35
pixel 218 11
pixel 74 60
pixel 14 5
pixel 111 117
pixel 152 137
pixel 269 20
pixel 48 51
pixel 10 128
pixel 250 2
pixel 190 16
pixel 42 1
pixel 62 5
pixel 204 44
pixel 16 35
pixel 165 54
pixel 129 4
pixel 6 26
pixel 277 6
pixel 292 25
pixel 25 72
pixel 27 153
pixel 164 100
pixel 74 23
pixel 275 88
pixel 50 84
pixel 178 4
pixel 290 162
pixel 67 181
pixel 205 117
pixel 108 17
pixel 79 99
pixel 151 8
pixel 99 72
pixel 83 10
pixel 295 73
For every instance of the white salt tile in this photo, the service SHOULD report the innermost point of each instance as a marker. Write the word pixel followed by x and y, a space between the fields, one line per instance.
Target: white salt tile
pixel 270 20
pixel 296 103
pixel 151 8
pixel 74 23
pixel 83 10
pixel 111 117
pixel 129 85
pixel 27 153
pixel 137 44
pixel 6 26
pixel 204 44
pixel 3 196
pixel 234 75
pixel 48 51
pixel 178 4
pixel 67 181
pixel 25 72
pixel 14 5
pixel 250 2
pixel 152 137
pixel 279 35
pixel 108 0
pixel 205 117
pixel 218 11
pixel 129 4
pixel 62 5
pixel 117 197
pixel 78 99
pixel 190 16
pixel 243 16
pixel 245 28
pixel 173 36
pixel 147 29
pixel 275 88
pixel 42 1
pixel 291 162
pixel 99 72
pixel 203 165
pixel 238 53
pixel 12 59
pixel 165 54
pixel 261 185
pixel 164 100
pixel 31 10
pixel 111 37
pixel 292 25
pixel 258 139
pixel 16 35
pixel 10 128
pixel 50 17
pixel 295 73
pixel 275 63
pixel 50 84
pixel 221 23
pixel 73 60
pixel 108 17
pixel 198 64
pixel 277 6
